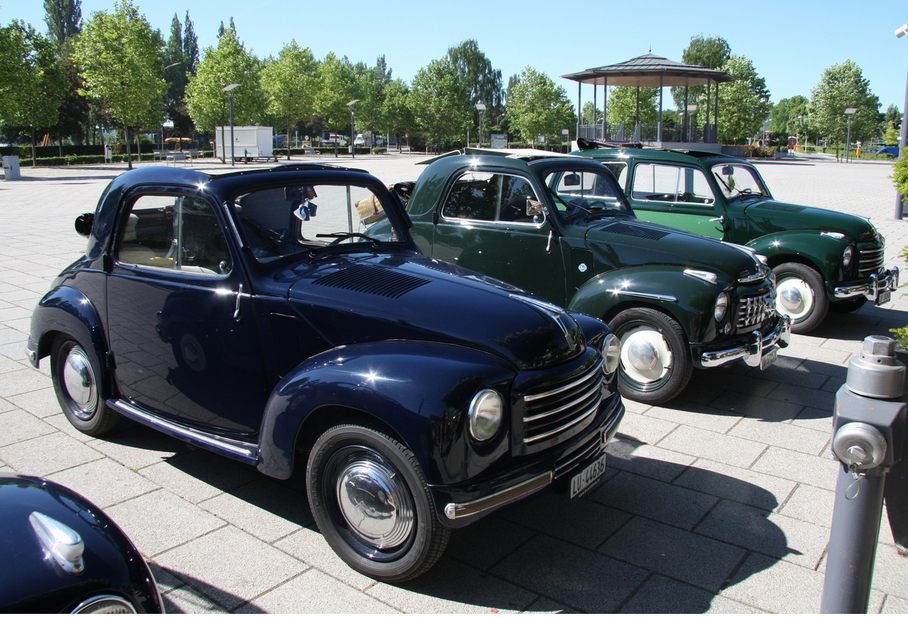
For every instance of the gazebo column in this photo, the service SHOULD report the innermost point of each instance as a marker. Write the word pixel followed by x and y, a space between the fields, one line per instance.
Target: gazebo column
pixel 716 116
pixel 604 108
pixel 579 109
pixel 706 130
pixel 637 118
pixel 661 96
pixel 685 126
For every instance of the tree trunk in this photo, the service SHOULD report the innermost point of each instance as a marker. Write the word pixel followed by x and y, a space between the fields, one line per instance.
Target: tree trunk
pixel 33 148
pixel 128 151
pixel 288 139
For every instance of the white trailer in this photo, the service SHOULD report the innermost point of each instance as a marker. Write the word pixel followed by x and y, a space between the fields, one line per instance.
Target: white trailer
pixel 250 143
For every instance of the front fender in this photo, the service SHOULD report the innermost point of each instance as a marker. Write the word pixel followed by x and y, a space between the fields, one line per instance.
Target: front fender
pixel 420 390
pixel 67 310
pixel 689 300
pixel 822 251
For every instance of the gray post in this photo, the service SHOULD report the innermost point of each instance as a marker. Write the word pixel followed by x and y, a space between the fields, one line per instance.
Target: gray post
pixel 868 420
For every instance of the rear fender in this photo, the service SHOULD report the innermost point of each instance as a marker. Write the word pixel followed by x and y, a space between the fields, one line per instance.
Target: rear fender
pixel 421 391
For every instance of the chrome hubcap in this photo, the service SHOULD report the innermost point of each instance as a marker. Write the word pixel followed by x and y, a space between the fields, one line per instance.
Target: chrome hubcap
pixel 79 382
pixel 374 500
pixel 645 355
pixel 795 298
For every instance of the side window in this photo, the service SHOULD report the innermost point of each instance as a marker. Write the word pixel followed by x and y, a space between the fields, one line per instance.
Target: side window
pixel 482 196
pixel 173 233
pixel 671 184
pixel 695 187
pixel 619 169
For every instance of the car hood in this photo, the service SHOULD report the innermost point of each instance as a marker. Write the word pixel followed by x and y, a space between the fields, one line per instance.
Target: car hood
pixel 628 243
pixel 384 297
pixel 770 216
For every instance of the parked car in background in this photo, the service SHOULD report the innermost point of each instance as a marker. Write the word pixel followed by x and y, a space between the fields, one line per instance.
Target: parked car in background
pixel 559 227
pixel 823 260
pixel 263 315
pixel 359 141
pixel 62 554
pixel 333 139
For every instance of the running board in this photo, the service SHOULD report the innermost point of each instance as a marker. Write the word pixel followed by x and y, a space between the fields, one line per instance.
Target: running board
pixel 231 448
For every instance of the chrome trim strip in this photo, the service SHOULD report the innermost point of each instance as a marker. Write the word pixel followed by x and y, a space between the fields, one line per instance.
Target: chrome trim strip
pixel 637 294
pixel 224 446
pixel 574 402
pixel 590 375
pixel 563 427
pixel 751 352
pixel 888 280
pixel 456 511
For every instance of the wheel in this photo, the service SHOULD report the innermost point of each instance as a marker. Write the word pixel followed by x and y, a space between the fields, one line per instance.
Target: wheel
pixel 801 294
pixel 371 502
pixel 77 382
pixel 655 356
pixel 848 306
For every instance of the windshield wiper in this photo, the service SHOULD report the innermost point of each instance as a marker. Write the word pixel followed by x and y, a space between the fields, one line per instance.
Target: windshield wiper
pixel 340 236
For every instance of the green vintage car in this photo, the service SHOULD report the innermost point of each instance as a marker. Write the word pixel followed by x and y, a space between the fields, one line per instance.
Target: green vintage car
pixel 561 228
pixel 823 260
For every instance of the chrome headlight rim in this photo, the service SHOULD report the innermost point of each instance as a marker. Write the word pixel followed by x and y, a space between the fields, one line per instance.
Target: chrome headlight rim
pixel 720 310
pixel 486 414
pixel 611 354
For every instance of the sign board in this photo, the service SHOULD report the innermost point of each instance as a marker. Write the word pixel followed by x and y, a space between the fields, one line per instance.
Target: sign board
pixel 540 139
pixel 499 140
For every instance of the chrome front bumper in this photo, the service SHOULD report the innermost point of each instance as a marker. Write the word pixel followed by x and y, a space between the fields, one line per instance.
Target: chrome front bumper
pixel 887 280
pixel 752 352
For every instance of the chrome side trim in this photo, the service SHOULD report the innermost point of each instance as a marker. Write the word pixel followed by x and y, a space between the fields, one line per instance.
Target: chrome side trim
pixel 888 280
pixel 637 294
pixel 456 511
pixel 230 448
pixel 753 351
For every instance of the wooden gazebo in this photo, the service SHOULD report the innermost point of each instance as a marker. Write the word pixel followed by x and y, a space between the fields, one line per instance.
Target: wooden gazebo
pixel 649 71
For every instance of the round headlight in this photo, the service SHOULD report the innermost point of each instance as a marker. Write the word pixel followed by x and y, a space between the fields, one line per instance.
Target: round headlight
pixel 847 256
pixel 486 413
pixel 611 352
pixel 721 306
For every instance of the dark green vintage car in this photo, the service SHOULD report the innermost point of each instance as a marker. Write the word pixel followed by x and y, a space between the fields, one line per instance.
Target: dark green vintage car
pixel 561 228
pixel 823 260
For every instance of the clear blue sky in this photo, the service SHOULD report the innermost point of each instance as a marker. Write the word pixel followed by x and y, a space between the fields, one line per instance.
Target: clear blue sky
pixel 790 42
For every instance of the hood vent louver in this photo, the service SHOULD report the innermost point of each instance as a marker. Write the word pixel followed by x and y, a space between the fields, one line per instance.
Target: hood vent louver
pixel 637 231
pixel 371 280
pixel 780 207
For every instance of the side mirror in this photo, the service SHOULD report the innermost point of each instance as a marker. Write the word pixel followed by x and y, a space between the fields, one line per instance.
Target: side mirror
pixel 84 223
pixel 535 209
pixel 728 170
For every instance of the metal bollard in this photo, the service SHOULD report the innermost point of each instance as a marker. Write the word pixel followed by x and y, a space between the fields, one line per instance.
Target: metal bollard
pixel 868 433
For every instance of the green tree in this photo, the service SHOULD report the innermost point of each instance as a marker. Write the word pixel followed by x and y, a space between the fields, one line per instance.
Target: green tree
pixel 441 103
pixel 892 119
pixel 843 86
pixel 744 102
pixel 63 18
pixel 120 55
pixel 339 87
pixel 622 107
pixel 177 77
pixel 591 115
pixel 228 63
pixel 710 52
pixel 788 115
pixel 537 107
pixel 37 85
pixel 372 84
pixel 291 81
pixel 475 70
pixel 190 46
pixel 396 115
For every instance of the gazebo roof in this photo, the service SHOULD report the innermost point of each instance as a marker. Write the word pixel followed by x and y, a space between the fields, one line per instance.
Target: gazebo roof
pixel 646 72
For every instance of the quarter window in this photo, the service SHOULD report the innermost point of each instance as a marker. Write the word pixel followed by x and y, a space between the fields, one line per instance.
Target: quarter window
pixel 173 233
pixel 482 196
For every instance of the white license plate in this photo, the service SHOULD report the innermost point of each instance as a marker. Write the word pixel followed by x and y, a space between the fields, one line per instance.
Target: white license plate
pixel 883 297
pixel 587 477
pixel 768 358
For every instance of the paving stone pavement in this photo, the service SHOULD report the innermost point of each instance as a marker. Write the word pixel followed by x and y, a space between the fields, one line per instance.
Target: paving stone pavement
pixel 720 501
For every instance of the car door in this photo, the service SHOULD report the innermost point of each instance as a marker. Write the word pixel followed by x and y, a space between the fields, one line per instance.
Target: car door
pixel 483 225
pixel 676 196
pixel 180 325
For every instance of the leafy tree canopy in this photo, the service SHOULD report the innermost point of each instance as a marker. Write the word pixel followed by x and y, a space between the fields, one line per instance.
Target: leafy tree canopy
pixel 744 102
pixel 711 52
pixel 440 101
pixel 291 81
pixel 476 71
pixel 537 107
pixel 843 86
pixel 63 18
pixel 622 107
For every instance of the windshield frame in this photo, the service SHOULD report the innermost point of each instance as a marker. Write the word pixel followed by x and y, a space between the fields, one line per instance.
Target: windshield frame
pixel 732 193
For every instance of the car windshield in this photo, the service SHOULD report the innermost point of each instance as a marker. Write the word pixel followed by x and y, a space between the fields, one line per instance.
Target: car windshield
pixel 291 219
pixel 738 181
pixel 586 193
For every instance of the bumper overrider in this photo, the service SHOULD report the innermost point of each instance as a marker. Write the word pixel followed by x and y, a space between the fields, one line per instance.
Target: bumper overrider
pixel 555 467
pixel 885 281
pixel 753 351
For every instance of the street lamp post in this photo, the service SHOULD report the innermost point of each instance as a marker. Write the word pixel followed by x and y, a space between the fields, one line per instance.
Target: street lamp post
pixel 352 127
pixel 229 91
pixel 850 113
pixel 163 125
pixel 481 107
pixel 903 132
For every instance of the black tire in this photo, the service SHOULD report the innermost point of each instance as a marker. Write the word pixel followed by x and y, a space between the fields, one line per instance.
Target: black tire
pixel 801 294
pixel 406 538
pixel 77 383
pixel 848 306
pixel 665 373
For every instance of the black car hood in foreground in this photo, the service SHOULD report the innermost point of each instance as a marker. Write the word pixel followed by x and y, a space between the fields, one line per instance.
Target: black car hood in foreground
pixel 431 300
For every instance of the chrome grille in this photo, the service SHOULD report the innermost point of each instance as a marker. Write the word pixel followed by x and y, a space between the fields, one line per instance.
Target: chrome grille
pixel 870 260
pixel 753 311
pixel 563 407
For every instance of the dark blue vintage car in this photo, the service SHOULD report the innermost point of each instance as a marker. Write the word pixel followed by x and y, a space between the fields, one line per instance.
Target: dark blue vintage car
pixel 62 554
pixel 258 315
